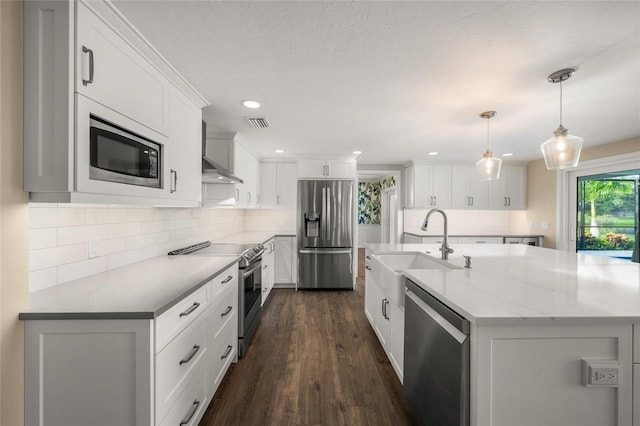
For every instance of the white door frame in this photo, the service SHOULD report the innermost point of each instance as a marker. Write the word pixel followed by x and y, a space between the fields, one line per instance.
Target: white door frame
pixel 389 226
pixel 566 194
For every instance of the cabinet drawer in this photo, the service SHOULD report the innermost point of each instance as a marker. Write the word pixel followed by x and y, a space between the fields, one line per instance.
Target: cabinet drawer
pixel 224 307
pixel 228 278
pixel 178 362
pixel 190 404
pixel 178 317
pixel 223 352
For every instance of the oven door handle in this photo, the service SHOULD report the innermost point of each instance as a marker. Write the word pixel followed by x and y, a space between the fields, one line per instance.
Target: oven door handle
pixel 251 271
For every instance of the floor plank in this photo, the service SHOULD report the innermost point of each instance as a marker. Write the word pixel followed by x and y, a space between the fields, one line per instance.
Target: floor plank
pixel 314 360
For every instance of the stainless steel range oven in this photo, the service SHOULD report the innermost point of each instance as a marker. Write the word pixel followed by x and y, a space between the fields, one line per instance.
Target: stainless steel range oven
pixel 250 283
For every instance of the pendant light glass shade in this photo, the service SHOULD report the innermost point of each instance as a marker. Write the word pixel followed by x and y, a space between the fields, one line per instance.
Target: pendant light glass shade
pixel 488 166
pixel 562 151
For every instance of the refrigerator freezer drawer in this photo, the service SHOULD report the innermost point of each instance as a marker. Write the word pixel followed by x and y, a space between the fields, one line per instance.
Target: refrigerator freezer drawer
pixel 325 269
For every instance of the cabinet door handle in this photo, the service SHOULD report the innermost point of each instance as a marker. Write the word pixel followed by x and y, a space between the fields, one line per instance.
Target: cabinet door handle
pixel 227 352
pixel 90 79
pixel 226 312
pixel 277 200
pixel 237 194
pixel 226 280
pixel 265 266
pixel 191 413
pixel 189 357
pixel 509 201
pixel 472 201
pixel 367 267
pixel 248 197
pixel 190 310
pixel 368 257
pixel 257 198
pixel 385 309
pixel 435 200
pixel 505 202
pixel 174 181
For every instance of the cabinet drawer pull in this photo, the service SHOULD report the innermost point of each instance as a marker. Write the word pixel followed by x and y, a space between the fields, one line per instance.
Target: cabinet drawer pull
pixel 191 413
pixel 227 352
pixel 367 267
pixel 189 357
pixel 226 280
pixel 368 257
pixel 190 310
pixel 90 52
pixel 225 313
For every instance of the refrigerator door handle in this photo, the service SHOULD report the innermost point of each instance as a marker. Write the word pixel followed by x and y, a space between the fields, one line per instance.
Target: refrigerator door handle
pixel 323 222
pixel 350 262
pixel 324 251
pixel 328 213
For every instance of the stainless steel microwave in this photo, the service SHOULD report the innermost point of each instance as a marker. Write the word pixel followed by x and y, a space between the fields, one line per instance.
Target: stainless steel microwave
pixel 117 155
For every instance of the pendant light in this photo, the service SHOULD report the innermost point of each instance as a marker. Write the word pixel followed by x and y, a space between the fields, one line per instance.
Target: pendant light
pixel 562 151
pixel 488 166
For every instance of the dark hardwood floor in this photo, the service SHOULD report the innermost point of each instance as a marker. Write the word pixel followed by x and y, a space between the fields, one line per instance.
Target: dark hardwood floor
pixel 314 360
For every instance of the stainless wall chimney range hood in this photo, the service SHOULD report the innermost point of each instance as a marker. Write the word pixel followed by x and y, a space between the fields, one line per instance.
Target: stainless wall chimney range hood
pixel 213 172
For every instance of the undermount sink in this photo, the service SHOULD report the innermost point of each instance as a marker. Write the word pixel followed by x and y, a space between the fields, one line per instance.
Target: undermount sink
pixel 387 270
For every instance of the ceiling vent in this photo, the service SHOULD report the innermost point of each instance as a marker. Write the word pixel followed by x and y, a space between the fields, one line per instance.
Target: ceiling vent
pixel 258 122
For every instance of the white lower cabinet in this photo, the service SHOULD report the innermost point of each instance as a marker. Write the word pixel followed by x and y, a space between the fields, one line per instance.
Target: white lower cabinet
pixel 268 269
pixel 386 318
pixel 285 262
pixel 161 371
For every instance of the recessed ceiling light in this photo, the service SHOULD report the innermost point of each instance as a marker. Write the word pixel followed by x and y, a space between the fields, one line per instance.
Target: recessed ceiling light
pixel 357 152
pixel 251 104
pixel 507 154
pixel 433 153
pixel 280 151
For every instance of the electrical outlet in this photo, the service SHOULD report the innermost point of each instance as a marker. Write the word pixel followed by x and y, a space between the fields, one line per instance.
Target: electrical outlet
pixel 544 225
pixel 94 247
pixel 600 373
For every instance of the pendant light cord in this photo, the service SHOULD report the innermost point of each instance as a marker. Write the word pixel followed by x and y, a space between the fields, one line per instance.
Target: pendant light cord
pixel 488 146
pixel 560 103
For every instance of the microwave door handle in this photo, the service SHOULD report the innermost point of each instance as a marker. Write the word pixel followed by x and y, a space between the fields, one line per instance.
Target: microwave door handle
pixel 174 181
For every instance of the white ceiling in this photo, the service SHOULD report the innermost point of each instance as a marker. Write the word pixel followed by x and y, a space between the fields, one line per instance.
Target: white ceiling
pixel 399 79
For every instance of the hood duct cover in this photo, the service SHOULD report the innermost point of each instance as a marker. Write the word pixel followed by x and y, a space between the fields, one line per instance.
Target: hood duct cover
pixel 213 172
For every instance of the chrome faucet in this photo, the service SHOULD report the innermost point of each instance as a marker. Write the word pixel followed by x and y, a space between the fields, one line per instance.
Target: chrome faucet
pixel 445 249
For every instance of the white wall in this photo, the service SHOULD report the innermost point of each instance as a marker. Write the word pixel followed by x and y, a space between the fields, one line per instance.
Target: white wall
pixel 59 235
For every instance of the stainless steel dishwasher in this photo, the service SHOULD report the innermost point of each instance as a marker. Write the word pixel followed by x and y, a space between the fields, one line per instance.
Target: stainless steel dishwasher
pixel 436 360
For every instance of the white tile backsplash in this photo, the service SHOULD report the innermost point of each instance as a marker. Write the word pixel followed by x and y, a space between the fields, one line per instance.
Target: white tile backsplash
pixel 59 236
pixel 460 222
pixel 270 220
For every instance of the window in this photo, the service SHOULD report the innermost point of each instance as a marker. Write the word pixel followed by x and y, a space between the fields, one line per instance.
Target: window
pixel 607 213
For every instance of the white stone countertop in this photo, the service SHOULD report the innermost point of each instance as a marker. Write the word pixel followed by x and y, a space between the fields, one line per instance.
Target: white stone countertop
pixel 520 284
pixel 137 291
pixel 478 234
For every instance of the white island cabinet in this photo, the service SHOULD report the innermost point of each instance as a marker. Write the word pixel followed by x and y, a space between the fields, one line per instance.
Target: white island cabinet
pixel 551 333
pixel 152 355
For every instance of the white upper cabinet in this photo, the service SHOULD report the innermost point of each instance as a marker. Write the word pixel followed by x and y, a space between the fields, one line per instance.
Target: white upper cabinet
pixel 510 191
pixel 78 65
pixel 247 168
pixel 183 161
pixel 278 183
pixel 312 168
pixel 467 190
pixel 111 72
pixel 427 186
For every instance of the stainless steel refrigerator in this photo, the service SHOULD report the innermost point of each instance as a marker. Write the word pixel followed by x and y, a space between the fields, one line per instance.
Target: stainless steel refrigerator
pixel 325 234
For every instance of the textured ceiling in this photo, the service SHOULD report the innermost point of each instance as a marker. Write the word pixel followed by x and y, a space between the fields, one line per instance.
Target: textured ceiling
pixel 399 79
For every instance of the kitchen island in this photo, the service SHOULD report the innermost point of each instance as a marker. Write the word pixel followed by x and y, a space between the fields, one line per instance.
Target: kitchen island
pixel 535 315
